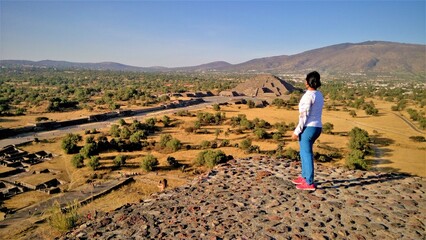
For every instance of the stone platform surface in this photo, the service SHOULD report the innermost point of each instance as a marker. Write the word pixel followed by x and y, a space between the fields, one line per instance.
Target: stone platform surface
pixel 255 199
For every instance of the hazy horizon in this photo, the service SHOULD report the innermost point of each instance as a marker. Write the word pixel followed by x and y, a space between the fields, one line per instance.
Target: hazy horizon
pixel 189 33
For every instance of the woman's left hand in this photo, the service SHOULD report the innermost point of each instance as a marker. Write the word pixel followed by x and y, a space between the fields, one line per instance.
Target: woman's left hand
pixel 294 137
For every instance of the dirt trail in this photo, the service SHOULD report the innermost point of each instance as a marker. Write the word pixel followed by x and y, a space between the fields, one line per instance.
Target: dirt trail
pixel 409 123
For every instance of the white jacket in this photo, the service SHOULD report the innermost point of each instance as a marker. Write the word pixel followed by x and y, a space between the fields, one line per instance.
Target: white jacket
pixel 310 110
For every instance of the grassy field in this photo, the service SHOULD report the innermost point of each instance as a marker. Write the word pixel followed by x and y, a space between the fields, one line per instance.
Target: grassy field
pixel 393 149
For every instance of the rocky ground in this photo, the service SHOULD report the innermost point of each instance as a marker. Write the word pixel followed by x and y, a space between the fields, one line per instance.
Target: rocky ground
pixel 255 199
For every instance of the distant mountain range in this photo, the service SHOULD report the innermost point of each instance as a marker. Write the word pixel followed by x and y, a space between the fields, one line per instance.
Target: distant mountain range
pixel 365 57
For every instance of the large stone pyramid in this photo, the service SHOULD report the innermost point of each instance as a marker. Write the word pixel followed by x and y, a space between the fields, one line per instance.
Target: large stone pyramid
pixel 265 86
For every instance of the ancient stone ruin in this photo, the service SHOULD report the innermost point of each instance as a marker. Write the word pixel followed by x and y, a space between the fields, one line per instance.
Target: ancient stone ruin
pixel 15 176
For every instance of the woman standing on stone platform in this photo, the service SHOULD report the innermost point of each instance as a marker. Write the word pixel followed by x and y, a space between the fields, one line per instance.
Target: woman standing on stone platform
pixel 309 129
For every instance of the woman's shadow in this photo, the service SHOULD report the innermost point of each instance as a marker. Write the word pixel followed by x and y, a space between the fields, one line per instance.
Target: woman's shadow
pixel 347 183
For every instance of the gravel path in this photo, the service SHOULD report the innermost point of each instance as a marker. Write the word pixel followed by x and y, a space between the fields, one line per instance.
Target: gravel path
pixel 254 199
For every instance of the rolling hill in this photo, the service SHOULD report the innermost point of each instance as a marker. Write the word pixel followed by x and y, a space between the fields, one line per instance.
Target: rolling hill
pixel 365 57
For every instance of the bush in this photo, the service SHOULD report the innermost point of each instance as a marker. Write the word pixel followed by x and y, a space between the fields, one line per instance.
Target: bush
pixel 114 130
pixel 90 139
pixel 224 143
pixel 164 139
pixel 216 107
pixel 260 133
pixel 183 113
pixel 173 162
pixel 359 140
pixel 149 162
pixel 39 119
pixel 253 149
pixel 77 160
pixel 94 162
pixel 174 145
pixel 122 122
pixel 327 128
pixel 418 138
pixel 210 158
pixel 189 129
pixel 251 104
pixel 205 144
pixel 245 144
pixel 125 133
pixel 89 150
pixel 292 154
pixel 277 136
pixel 356 160
pixel 63 220
pixel 69 143
pixel 119 160
pixel 166 121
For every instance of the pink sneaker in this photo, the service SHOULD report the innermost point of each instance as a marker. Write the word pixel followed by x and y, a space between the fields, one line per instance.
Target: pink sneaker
pixel 305 186
pixel 298 180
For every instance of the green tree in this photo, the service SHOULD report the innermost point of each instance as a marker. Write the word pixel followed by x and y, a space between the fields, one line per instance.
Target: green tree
pixel 122 122
pixel 149 163
pixel 94 162
pixel 89 150
pixel 114 106
pixel 210 158
pixel 251 104
pixel 245 144
pixel 119 160
pixel 125 133
pixel 205 144
pixel 292 154
pixel 279 102
pixel 359 140
pixel 151 122
pixel 166 121
pixel 114 130
pixel 260 133
pixel 90 139
pixel 69 143
pixel 172 162
pixel 356 160
pixel 277 136
pixel 217 132
pixel 174 144
pixel 164 139
pixel 77 160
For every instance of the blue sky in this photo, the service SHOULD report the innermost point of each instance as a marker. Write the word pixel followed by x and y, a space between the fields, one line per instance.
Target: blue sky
pixel 185 33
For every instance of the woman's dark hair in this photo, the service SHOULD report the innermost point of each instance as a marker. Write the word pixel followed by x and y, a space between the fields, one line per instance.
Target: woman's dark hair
pixel 313 79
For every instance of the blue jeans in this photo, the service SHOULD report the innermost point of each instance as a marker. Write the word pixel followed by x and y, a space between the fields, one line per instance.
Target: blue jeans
pixel 306 141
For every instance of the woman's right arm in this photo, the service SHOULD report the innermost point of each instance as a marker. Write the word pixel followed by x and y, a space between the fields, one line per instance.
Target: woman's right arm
pixel 304 108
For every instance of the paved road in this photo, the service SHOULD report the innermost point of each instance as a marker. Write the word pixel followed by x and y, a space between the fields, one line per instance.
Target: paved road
pixel 105 124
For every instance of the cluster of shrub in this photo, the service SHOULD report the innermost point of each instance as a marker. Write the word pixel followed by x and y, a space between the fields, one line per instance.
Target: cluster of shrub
pixel 125 137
